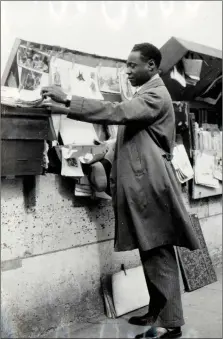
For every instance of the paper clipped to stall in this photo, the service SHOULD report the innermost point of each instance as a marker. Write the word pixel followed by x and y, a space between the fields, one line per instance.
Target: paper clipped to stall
pixel 127 91
pixel 204 169
pixel 176 75
pixel 218 166
pixel 75 79
pixel 84 82
pixel 75 132
pixel 78 80
pixel 108 79
pixel 71 166
pixel 181 164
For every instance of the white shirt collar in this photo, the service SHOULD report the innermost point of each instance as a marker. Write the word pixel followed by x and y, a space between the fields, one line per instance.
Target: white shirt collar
pixel 156 76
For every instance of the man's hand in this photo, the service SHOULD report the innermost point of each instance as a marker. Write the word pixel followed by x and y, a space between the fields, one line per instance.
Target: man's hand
pixel 55 93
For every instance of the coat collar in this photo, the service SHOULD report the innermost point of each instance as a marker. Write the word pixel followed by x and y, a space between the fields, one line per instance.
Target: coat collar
pixel 150 84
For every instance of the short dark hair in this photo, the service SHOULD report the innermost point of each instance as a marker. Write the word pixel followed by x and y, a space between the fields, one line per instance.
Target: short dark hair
pixel 149 51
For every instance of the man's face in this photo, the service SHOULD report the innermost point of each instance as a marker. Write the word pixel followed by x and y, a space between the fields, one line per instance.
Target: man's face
pixel 137 70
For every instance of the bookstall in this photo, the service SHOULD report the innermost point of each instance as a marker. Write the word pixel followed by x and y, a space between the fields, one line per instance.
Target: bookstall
pixel 33 144
pixel 193 76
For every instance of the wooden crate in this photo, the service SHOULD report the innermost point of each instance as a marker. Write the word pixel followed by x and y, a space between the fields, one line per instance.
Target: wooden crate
pixel 23 131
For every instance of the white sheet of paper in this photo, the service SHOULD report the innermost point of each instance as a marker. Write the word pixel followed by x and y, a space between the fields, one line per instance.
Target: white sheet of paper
pixel 9 95
pixel 9 92
pixel 127 91
pixel 23 96
pixel 192 68
pixel 102 195
pixel 60 74
pixel 83 188
pixel 70 167
pixel 71 152
pixel 75 78
pixel 178 77
pixel 182 164
pixel 108 79
pixel 84 82
pixel 26 95
pixel 204 169
pixel 218 166
pixel 70 77
pixel 76 132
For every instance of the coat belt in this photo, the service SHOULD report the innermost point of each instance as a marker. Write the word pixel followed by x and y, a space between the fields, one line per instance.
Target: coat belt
pixel 168 156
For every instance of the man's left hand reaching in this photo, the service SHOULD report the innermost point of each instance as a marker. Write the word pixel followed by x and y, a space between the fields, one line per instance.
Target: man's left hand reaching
pixel 55 93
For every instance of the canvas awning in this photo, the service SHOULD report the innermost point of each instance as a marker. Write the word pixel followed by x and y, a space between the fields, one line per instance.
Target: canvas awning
pixel 172 53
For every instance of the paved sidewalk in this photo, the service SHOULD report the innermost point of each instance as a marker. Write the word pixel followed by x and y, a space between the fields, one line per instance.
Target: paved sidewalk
pixel 202 312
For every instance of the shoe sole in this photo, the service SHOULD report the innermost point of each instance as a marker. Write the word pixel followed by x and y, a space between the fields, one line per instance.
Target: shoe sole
pixel 166 336
pixel 172 335
pixel 176 335
pixel 147 324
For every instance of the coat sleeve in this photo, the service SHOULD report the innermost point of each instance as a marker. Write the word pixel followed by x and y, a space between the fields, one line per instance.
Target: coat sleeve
pixel 142 109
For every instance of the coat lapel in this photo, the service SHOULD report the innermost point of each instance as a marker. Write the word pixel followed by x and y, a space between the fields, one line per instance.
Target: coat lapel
pixel 148 85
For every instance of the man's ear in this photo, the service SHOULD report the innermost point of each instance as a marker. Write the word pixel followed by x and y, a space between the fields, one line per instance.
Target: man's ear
pixel 151 64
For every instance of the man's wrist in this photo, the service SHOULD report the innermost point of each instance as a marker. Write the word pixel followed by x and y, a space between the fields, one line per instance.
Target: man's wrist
pixel 68 100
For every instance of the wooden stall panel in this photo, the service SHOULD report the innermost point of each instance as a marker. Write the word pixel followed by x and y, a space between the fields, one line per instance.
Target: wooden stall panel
pixel 20 157
pixel 24 128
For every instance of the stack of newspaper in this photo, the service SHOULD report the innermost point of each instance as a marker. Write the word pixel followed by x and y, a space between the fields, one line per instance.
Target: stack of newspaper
pixel 23 98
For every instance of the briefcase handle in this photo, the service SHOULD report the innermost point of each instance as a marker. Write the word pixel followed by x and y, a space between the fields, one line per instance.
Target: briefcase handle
pixel 123 268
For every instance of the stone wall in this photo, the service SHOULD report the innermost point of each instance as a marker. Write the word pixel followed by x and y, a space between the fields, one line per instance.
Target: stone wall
pixel 55 248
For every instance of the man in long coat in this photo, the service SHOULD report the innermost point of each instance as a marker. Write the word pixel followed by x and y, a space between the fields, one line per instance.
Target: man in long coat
pixel 150 214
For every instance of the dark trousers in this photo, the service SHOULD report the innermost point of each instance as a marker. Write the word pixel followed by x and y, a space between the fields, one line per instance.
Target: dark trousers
pixel 162 278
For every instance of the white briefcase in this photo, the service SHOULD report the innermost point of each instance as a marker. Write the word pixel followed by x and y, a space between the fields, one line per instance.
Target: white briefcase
pixel 129 290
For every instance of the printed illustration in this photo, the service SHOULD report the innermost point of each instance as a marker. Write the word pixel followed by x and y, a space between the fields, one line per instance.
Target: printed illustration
pixel 108 79
pixel 127 91
pixel 84 82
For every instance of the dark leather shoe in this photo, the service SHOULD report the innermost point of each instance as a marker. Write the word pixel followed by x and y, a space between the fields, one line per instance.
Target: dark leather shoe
pixel 144 320
pixel 159 332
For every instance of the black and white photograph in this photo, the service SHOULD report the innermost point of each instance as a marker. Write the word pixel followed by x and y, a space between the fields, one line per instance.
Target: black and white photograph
pixel 111 169
pixel 32 59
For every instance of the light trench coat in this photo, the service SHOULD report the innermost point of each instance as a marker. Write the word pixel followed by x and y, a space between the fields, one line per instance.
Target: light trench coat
pixel 148 206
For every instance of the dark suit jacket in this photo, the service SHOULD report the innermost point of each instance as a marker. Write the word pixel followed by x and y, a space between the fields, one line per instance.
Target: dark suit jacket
pixel 147 201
